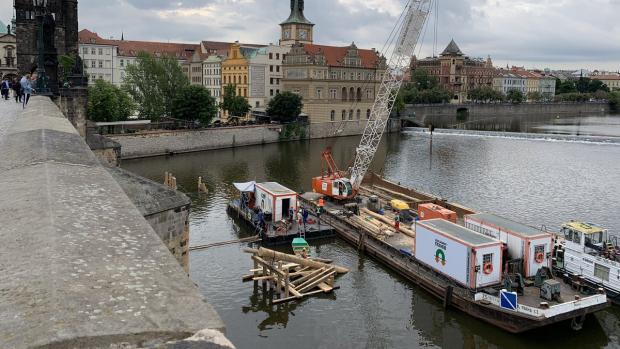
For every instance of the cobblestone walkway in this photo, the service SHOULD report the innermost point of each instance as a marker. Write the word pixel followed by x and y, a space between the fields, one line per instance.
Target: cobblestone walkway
pixel 8 113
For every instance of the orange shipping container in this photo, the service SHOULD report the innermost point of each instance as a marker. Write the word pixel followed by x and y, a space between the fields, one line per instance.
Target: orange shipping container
pixel 432 211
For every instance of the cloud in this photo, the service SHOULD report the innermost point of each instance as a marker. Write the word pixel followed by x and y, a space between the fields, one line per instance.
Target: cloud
pixel 534 33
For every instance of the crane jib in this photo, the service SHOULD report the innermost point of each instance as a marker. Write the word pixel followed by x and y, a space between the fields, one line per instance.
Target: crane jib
pixel 412 26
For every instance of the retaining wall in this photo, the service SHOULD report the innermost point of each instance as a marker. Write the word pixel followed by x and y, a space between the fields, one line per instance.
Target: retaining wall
pixel 80 267
pixel 156 143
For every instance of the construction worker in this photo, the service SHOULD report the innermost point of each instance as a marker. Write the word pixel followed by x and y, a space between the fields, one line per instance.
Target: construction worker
pixel 397 222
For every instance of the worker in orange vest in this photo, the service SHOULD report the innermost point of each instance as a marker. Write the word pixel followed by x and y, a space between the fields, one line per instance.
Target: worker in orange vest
pixel 321 203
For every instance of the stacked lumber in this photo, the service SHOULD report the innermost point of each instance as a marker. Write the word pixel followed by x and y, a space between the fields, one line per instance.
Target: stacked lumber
pixel 290 276
pixel 385 220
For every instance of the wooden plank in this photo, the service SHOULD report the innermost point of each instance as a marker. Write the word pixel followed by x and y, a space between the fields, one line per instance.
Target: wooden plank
pixel 311 283
pixel 270 254
pixel 325 287
pixel 282 300
pixel 309 276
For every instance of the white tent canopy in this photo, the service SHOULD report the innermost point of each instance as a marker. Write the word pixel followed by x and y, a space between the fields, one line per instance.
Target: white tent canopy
pixel 245 187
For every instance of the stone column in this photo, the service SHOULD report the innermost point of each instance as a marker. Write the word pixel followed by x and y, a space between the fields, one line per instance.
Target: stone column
pixel 75 101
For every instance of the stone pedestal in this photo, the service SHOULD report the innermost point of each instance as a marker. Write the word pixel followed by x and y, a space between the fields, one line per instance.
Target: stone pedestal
pixel 73 102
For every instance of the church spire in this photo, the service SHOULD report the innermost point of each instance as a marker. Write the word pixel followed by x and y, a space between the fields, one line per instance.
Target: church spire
pixel 297 14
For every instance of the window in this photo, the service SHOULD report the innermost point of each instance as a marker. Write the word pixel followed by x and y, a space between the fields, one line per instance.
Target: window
pixel 332 93
pixel 319 93
pixel 85 50
pixel 271 68
pixel 344 93
pixel 359 76
pixel 277 56
pixel 245 80
pixel 601 272
pixel 271 81
pixel 257 104
pixel 332 115
pixel 368 94
pixel 85 63
pixel 358 115
pixel 122 62
pixel 577 237
pixel 101 52
pixel 277 92
pixel 368 114
pixel 334 75
pixel 344 114
pixel 277 68
pixel 270 55
pixel 271 92
pixel 351 114
pixel 92 51
pixel 93 63
pixel 487 258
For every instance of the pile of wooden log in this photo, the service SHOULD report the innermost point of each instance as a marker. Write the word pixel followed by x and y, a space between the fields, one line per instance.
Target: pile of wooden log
pixel 290 276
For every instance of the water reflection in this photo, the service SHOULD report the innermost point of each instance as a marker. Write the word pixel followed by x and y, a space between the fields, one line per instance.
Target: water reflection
pixel 537 182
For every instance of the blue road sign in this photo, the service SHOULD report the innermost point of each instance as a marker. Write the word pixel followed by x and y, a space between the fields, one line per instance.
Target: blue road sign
pixel 508 300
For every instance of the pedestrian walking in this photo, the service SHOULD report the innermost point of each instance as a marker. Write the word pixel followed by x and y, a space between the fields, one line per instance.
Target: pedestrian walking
pixel 17 90
pixel 5 88
pixel 27 89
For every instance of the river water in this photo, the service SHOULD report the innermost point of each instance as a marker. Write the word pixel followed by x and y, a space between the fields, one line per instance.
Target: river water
pixel 568 169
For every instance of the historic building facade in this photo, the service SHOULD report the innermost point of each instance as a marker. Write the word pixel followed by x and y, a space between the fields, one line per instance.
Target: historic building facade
pixel 266 74
pixel 506 80
pixel 336 83
pixel 457 72
pixel 8 52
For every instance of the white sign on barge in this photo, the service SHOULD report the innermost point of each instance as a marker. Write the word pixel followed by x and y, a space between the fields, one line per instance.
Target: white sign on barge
pixel 471 259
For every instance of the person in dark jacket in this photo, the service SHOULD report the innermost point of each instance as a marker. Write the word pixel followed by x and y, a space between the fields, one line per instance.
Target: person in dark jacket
pixel 5 86
pixel 17 90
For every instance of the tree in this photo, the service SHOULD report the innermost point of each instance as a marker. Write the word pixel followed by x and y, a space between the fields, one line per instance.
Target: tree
pixel 614 100
pixel 153 82
pixel 412 94
pixel 566 86
pixel 66 62
pixel 107 103
pixel 422 80
pixel 285 106
pixel 193 103
pixel 597 85
pixel 485 94
pixel 514 96
pixel 534 96
pixel 233 104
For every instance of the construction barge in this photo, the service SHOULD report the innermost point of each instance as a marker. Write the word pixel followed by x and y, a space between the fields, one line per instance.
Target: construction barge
pixel 482 286
pixel 271 211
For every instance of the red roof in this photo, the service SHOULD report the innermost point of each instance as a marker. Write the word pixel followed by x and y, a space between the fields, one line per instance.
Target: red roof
pixel 605 77
pixel 130 48
pixel 335 55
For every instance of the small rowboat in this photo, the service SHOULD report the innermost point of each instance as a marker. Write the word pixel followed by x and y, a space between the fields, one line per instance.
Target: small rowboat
pixel 299 246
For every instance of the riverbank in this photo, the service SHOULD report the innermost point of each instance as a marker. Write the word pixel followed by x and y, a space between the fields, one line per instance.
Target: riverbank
pixel 453 115
pixel 166 142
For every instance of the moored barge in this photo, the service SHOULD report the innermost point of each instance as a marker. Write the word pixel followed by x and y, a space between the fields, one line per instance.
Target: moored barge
pixel 484 287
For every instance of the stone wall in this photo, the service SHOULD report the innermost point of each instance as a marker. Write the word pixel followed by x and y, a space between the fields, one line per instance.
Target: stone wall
pixel 81 267
pixel 172 226
pixel 155 143
pixel 73 102
pixel 447 114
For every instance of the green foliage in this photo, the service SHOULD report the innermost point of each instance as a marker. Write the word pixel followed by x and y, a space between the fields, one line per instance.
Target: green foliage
pixel 514 96
pixel 293 131
pixel 285 106
pixel 422 80
pixel 107 103
pixel 66 62
pixel 534 96
pixel 153 83
pixel 233 104
pixel 614 100
pixel 193 103
pixel 410 94
pixel 582 85
pixel 573 97
pixel 486 94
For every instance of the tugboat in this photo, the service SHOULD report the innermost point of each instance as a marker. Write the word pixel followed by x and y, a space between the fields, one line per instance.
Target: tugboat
pixel 588 252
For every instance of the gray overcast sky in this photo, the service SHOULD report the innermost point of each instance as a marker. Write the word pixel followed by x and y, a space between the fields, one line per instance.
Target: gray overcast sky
pixel 535 33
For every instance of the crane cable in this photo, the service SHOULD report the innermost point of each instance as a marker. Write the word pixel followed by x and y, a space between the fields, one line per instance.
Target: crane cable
pixel 390 41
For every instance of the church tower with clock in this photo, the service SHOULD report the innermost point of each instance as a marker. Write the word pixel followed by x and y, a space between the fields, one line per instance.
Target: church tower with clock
pixel 296 29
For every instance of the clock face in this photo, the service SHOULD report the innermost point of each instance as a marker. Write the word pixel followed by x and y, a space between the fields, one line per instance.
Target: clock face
pixel 287 34
pixel 303 34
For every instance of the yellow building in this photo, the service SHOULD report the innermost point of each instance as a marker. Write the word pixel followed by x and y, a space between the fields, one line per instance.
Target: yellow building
pixel 612 81
pixel 235 70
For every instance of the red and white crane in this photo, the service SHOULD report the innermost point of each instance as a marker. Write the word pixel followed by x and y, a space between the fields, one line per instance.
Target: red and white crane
pixel 334 184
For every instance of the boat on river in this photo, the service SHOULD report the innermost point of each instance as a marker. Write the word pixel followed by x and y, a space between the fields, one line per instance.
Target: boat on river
pixel 486 277
pixel 589 253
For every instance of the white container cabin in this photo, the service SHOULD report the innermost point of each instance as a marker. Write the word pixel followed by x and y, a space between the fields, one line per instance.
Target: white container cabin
pixel 276 199
pixel 533 246
pixel 589 252
pixel 471 259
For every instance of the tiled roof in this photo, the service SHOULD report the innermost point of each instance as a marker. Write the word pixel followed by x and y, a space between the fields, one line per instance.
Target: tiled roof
pixel 452 49
pixel 605 77
pixel 335 55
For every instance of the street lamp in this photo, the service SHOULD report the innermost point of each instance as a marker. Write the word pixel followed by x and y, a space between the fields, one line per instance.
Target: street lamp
pixel 40 7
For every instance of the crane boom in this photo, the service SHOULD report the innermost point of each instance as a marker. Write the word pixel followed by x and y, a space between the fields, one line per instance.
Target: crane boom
pixel 390 85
